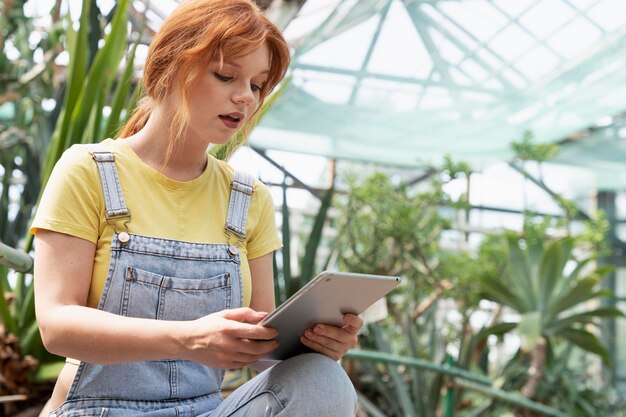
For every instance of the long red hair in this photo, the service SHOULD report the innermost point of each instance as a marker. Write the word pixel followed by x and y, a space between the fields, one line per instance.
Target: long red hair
pixel 197 33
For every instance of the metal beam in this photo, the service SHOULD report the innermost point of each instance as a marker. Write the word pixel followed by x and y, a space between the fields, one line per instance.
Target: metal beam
pixel 396 78
pixel 315 192
pixel 370 50
pixel 472 54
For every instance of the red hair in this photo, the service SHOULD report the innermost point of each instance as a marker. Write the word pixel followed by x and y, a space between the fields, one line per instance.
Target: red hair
pixel 197 33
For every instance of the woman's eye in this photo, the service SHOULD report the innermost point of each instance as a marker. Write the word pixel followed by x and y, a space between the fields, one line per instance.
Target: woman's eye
pixel 256 87
pixel 222 77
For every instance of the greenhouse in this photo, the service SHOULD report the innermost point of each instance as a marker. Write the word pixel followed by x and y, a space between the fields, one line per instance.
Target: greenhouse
pixel 473 148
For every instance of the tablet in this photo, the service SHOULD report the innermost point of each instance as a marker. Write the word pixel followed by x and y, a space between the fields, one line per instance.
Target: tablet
pixel 324 300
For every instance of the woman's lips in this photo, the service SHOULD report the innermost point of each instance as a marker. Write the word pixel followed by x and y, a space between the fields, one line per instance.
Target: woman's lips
pixel 229 121
pixel 232 120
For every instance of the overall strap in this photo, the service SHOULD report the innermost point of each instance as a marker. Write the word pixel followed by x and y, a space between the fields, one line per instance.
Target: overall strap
pixel 115 207
pixel 240 194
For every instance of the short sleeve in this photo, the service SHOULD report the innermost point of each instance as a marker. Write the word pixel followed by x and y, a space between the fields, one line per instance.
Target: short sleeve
pixel 263 238
pixel 72 200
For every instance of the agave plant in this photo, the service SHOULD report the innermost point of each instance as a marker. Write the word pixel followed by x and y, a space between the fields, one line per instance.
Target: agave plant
pixel 556 297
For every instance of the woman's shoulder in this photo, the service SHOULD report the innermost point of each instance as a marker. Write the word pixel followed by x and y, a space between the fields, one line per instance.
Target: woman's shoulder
pixel 80 153
pixel 76 158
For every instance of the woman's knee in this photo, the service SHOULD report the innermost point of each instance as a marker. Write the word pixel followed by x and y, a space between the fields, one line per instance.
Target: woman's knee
pixel 323 381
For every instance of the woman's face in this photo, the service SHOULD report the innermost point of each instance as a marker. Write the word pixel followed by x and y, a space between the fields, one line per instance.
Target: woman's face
pixel 226 96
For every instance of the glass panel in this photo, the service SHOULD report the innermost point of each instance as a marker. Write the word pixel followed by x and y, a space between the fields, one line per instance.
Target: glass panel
pixel 603 13
pixel 546 17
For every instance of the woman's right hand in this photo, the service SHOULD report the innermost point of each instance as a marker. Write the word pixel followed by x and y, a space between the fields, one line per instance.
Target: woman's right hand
pixel 228 339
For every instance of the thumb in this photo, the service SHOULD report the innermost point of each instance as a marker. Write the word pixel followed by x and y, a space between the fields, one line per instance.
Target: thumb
pixel 244 315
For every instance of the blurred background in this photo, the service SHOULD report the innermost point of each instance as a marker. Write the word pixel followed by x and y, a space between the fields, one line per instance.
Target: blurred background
pixel 475 147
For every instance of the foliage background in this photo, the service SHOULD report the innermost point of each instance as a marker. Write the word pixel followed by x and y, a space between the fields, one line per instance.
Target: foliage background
pixel 383 226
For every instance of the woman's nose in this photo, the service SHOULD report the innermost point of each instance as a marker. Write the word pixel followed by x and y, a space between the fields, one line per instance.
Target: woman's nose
pixel 244 95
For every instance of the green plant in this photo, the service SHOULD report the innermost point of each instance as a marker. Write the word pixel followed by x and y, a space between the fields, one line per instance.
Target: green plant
pixel 388 229
pixel 90 85
pixel 287 283
pixel 26 78
pixel 393 230
pixel 567 384
pixel 550 290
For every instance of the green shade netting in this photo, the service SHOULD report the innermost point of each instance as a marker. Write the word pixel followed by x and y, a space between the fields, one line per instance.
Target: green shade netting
pixel 408 82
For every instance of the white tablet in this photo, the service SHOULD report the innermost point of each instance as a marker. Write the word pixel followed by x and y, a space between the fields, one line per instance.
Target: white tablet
pixel 324 300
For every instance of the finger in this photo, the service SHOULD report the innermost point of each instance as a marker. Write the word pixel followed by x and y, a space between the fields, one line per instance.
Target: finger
pixel 233 345
pixel 319 348
pixel 352 323
pixel 335 345
pixel 253 332
pixel 332 332
pixel 241 330
pixel 332 337
pixel 244 315
pixel 255 347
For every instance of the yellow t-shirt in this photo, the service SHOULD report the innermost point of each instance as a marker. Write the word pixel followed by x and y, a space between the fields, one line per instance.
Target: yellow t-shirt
pixel 191 211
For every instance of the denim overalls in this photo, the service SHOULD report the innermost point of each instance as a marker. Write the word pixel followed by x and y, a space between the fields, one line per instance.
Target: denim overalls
pixel 160 279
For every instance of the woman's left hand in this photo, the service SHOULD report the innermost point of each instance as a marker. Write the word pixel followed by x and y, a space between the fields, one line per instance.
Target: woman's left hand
pixel 334 341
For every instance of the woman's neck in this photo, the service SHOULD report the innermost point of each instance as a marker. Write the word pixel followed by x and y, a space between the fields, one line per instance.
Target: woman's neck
pixel 188 157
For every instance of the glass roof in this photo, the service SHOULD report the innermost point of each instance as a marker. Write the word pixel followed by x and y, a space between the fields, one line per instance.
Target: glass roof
pixel 408 81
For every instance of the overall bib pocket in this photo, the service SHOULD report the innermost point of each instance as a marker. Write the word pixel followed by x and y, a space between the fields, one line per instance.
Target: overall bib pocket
pixel 154 296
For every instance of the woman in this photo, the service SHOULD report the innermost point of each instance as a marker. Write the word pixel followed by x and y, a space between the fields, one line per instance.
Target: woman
pixel 154 260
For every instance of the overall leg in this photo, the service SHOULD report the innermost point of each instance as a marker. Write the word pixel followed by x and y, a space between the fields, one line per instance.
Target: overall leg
pixel 308 385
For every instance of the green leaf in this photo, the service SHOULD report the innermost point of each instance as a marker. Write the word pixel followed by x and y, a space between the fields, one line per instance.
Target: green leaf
pixel 587 341
pixel 122 92
pixel 290 286
pixel 497 330
pixel 77 69
pixel 27 313
pixel 132 103
pixel 48 372
pixel 94 129
pixel 519 274
pixel 496 290
pixel 5 313
pixel 315 237
pixel 369 407
pixel 401 388
pixel 551 267
pixel 101 73
pixel 30 340
pixel 583 318
pixel 571 279
pixel 581 292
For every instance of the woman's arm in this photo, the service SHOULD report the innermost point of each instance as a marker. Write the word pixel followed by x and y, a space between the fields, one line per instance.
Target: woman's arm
pixel 262 273
pixel 63 268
